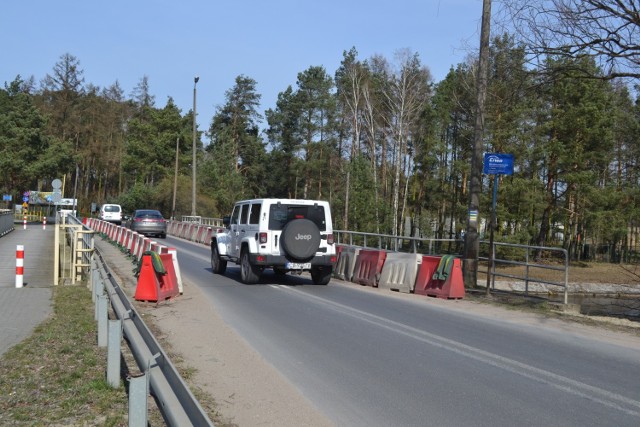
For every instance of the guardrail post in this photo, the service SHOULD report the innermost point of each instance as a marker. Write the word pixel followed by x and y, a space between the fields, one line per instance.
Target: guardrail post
pixel 138 392
pixel 98 291
pixel 102 321
pixel 97 287
pixel 113 353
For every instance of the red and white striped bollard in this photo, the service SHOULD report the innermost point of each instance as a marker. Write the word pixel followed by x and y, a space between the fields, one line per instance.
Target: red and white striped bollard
pixel 25 222
pixel 19 266
pixel 44 222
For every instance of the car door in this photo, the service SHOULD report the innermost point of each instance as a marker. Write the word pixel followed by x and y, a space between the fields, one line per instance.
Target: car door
pixel 233 244
pixel 243 227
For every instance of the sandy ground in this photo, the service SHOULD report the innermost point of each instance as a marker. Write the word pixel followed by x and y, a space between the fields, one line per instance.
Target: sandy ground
pixel 250 392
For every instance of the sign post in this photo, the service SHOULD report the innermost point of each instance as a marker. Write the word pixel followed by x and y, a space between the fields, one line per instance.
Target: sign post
pixel 495 164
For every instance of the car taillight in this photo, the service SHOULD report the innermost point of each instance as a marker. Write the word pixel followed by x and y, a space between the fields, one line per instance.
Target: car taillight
pixel 330 239
pixel 137 219
pixel 262 238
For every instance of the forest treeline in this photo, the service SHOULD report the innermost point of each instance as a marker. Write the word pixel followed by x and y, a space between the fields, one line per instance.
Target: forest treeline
pixel 388 147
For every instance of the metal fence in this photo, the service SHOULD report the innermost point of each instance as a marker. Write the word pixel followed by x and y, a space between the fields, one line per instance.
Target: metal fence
pixel 532 259
pixel 399 243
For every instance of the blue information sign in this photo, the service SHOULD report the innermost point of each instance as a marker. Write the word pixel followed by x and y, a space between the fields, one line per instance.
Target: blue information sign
pixel 498 164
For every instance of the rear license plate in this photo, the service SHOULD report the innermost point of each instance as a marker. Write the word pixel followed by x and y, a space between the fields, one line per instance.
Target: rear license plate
pixel 297 266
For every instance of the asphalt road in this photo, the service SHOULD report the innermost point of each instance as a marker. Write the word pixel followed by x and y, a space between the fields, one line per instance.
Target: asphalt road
pixel 368 357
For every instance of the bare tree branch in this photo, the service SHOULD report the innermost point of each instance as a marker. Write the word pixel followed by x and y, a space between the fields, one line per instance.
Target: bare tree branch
pixel 606 30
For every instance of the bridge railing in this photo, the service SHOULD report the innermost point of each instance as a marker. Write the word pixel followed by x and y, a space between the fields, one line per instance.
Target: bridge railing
pixel 214 222
pixel 73 254
pixel 531 260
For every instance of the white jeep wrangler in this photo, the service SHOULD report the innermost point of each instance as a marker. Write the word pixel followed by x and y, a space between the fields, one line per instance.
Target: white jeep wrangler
pixel 287 235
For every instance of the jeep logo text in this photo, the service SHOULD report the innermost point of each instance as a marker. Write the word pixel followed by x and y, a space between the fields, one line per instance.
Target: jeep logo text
pixel 303 237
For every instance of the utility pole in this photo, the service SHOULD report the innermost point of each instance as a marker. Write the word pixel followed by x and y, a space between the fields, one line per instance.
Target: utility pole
pixel 175 182
pixel 193 185
pixel 471 238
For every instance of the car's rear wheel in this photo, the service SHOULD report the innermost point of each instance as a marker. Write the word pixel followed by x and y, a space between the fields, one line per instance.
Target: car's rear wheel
pixel 249 273
pixel 321 275
pixel 219 266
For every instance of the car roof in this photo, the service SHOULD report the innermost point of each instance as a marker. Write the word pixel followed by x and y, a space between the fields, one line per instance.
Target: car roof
pixel 285 201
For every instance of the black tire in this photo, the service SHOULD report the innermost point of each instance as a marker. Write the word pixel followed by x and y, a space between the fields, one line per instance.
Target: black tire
pixel 321 275
pixel 163 236
pixel 300 239
pixel 218 265
pixel 249 273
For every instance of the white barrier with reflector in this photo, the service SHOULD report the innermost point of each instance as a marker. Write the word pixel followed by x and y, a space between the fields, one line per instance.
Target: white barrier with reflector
pixel 400 271
pixel 346 263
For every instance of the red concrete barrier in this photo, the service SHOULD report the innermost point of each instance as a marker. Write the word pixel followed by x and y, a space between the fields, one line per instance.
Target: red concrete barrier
pixel 368 267
pixel 156 282
pixel 430 282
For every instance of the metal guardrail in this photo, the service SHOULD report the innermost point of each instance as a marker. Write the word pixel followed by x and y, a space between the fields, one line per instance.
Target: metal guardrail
pixel 455 246
pixel 6 221
pixel 397 243
pixel 529 264
pixel 215 222
pixel 175 401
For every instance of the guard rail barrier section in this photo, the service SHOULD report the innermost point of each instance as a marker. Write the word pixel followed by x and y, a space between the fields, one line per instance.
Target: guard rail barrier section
pixel 6 222
pixel 135 243
pixel 174 399
pixel 400 271
pixel 195 232
pixel 437 276
pixel 369 267
pixel 440 277
pixel 347 257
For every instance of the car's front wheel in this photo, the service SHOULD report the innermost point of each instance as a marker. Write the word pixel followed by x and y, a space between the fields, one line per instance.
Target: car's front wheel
pixel 249 273
pixel 218 265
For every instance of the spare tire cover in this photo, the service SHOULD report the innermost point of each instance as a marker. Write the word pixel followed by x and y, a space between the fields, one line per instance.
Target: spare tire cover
pixel 300 239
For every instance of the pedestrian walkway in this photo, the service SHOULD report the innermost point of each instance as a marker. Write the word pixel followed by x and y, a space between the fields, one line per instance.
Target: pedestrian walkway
pixel 22 309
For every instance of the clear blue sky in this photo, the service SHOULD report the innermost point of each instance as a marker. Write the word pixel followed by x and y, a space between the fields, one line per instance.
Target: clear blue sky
pixel 270 41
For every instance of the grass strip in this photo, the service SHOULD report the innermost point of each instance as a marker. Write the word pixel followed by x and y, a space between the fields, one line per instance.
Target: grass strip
pixel 57 376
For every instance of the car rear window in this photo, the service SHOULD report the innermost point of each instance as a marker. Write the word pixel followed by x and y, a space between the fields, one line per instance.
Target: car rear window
pixel 149 214
pixel 281 214
pixel 112 208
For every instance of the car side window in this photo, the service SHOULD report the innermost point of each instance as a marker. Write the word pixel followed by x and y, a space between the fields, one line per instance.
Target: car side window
pixel 244 214
pixel 254 218
pixel 235 215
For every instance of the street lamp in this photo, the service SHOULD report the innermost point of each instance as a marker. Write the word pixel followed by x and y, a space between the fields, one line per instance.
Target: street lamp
pixel 193 185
